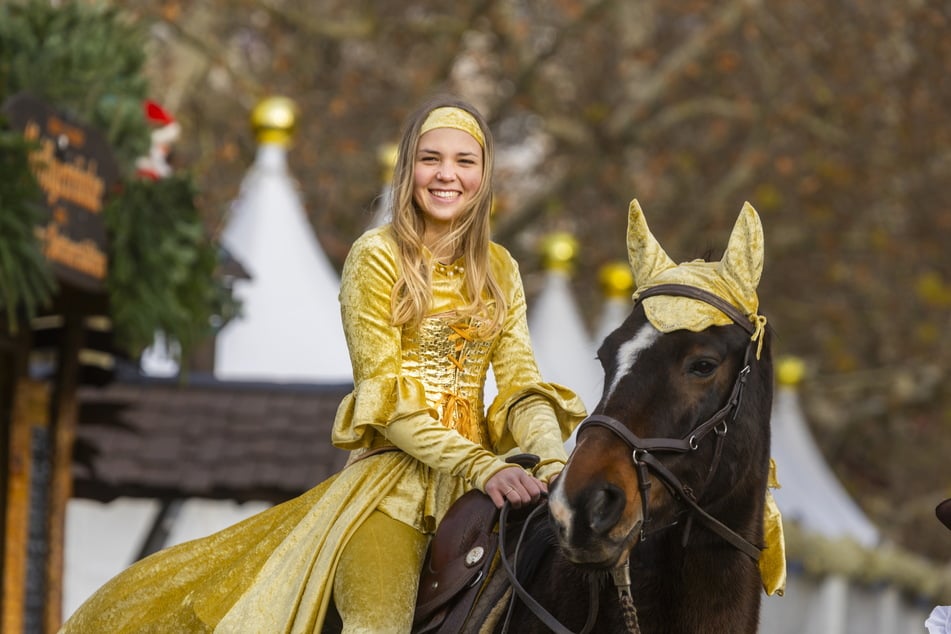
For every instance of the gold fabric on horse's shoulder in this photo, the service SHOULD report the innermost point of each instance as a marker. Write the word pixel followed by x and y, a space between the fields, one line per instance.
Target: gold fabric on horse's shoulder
pixel 772 561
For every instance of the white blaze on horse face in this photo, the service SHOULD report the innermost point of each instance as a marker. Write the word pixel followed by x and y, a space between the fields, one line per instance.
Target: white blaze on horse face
pixel 628 352
pixel 560 509
pixel 558 504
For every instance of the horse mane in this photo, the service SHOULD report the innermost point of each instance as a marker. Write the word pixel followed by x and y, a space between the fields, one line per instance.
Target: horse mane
pixel 532 552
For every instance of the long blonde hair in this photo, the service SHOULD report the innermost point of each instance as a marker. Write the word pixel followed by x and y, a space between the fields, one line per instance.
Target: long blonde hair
pixel 412 294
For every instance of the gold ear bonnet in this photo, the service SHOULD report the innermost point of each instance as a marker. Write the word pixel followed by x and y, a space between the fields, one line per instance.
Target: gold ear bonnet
pixel 734 278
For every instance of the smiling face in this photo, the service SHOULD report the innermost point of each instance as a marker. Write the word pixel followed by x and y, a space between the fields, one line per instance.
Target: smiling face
pixel 447 174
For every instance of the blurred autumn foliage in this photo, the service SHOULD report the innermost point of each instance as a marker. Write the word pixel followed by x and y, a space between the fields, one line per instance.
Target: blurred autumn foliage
pixel 830 116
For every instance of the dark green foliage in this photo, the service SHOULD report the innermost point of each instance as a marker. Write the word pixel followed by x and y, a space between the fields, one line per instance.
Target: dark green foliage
pixel 26 282
pixel 87 59
pixel 84 58
pixel 160 277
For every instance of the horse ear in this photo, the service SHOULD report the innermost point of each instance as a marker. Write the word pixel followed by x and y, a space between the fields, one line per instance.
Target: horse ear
pixel 645 254
pixel 742 263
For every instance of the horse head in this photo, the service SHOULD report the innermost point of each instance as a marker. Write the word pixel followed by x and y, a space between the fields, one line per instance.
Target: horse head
pixel 682 428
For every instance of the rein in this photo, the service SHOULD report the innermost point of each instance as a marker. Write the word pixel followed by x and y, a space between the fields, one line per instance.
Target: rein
pixel 643 449
pixel 621 576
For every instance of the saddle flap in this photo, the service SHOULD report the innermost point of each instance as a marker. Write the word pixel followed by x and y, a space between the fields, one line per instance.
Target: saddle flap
pixel 459 553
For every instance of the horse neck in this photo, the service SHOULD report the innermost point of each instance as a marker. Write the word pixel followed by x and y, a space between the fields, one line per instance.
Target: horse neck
pixel 707 586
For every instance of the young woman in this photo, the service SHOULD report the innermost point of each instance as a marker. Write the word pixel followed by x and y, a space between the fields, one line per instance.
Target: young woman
pixel 428 303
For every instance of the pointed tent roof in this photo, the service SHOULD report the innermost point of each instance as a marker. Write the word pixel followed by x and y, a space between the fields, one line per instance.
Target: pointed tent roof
pixel 810 492
pixel 386 155
pixel 290 330
pixel 617 287
pixel 562 344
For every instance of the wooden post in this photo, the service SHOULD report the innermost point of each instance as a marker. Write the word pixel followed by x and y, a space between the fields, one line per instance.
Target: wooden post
pixel 13 355
pixel 65 414
pixel 30 412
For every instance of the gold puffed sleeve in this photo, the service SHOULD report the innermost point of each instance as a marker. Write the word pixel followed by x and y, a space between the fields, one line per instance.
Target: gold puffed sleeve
pixel 535 428
pixel 380 392
pixel 517 376
pixel 430 442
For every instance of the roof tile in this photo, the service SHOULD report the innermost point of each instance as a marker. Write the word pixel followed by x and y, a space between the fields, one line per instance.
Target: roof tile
pixel 205 438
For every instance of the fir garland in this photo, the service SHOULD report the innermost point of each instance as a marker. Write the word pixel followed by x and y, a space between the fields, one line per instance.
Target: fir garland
pixel 84 58
pixel 26 282
pixel 160 273
pixel 887 564
pixel 87 60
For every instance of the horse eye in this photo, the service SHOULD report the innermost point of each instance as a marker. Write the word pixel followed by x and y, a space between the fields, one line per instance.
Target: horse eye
pixel 703 367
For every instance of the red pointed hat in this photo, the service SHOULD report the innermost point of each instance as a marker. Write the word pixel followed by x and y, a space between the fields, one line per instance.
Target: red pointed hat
pixel 156 114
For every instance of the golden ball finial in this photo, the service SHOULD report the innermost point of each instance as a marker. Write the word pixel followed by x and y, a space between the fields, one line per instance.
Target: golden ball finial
pixel 790 371
pixel 617 280
pixel 386 154
pixel 274 120
pixel 559 251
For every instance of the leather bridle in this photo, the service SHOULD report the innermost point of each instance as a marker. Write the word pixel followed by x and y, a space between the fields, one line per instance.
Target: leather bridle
pixel 644 450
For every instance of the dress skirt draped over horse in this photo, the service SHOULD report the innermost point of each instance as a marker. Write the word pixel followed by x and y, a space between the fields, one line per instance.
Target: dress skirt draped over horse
pixel 274 572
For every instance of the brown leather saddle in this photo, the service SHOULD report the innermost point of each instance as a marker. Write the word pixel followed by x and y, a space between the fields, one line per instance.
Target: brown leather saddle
pixel 459 561
pixel 456 564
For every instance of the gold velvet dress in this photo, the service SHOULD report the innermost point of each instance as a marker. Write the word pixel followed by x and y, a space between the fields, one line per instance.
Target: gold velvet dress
pixel 274 571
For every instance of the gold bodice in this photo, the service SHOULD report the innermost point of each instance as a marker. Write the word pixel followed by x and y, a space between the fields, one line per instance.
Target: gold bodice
pixel 452 366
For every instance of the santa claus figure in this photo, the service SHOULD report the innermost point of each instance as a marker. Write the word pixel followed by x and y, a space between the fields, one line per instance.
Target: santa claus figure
pixel 165 131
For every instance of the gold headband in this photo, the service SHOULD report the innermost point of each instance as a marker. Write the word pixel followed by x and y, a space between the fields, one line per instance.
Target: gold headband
pixel 452 117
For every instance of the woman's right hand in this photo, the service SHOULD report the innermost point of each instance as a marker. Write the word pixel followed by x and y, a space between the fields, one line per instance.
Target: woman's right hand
pixel 516 485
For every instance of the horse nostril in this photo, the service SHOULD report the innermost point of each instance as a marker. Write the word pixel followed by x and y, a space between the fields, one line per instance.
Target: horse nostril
pixel 604 508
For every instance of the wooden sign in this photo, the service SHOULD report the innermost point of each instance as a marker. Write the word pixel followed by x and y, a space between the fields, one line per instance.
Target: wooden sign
pixel 75 168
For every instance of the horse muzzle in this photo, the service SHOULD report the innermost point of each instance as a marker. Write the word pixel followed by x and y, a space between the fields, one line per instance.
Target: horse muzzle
pixel 592 528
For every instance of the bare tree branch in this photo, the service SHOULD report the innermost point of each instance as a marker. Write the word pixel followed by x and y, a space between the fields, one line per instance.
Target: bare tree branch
pixel 682 112
pixel 643 94
pixel 319 25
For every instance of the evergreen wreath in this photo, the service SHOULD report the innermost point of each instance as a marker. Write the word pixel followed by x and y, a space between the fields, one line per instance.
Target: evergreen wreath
pixel 86 59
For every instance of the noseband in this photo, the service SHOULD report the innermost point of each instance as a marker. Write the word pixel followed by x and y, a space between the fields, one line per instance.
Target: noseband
pixel 643 450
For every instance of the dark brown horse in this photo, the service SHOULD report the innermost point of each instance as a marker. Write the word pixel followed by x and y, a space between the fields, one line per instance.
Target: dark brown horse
pixel 668 476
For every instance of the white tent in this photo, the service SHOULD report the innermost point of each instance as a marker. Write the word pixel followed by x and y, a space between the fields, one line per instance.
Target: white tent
pixel 290 329
pixel 617 286
pixel 811 494
pixel 833 548
pixel 562 345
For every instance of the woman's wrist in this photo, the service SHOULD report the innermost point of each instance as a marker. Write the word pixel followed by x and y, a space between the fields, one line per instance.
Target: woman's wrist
pixel 548 469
